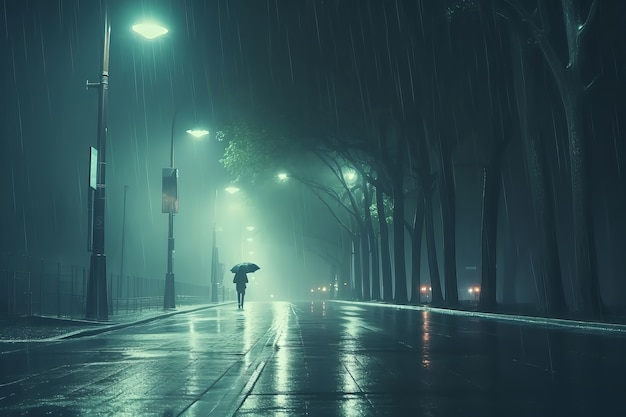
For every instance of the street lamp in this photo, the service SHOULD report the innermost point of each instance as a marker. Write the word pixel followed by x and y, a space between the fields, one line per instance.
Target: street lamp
pixel 149 30
pixel 197 133
pixel 96 303
pixel 282 177
pixel 350 175
pixel 214 252
pixel 170 206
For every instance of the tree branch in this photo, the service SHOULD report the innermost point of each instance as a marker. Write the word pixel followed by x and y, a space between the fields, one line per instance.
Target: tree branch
pixel 592 82
pixel 582 29
pixel 548 51
pixel 332 212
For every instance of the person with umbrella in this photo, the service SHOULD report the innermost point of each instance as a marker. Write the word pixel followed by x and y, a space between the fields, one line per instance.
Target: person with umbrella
pixel 241 279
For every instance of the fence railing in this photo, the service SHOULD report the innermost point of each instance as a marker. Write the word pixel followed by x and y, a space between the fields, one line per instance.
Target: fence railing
pixel 31 286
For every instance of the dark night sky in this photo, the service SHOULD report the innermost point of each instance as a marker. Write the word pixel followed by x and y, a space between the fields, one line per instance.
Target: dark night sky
pixel 222 59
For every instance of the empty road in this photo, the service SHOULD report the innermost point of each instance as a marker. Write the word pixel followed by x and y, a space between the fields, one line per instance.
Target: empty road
pixel 319 359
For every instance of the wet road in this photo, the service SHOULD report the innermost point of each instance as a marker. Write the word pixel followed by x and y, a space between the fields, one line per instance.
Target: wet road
pixel 319 359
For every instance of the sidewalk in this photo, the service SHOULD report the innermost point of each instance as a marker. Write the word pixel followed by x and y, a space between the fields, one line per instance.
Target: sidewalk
pixel 46 329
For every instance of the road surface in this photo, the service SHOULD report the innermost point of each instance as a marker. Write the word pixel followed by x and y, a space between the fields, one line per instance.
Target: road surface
pixel 319 359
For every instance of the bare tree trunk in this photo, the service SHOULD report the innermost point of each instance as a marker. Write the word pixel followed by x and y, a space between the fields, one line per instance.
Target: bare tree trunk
pixel 416 250
pixel 384 245
pixel 428 188
pixel 448 209
pixel 365 260
pixel 572 90
pixel 584 245
pixel 433 265
pixel 492 176
pixel 345 286
pixel 541 187
pixel 357 292
pixel 398 236
pixel 373 246
pixel 375 265
pixel 569 81
pixel 510 269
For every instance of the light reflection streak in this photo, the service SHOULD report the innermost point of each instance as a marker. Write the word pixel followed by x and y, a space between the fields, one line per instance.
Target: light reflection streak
pixel 247 338
pixel 282 359
pixel 353 325
pixel 350 364
pixel 349 372
pixel 425 339
pixel 193 357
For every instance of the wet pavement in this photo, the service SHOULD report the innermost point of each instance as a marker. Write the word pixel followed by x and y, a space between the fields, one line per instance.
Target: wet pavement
pixel 49 328
pixel 319 359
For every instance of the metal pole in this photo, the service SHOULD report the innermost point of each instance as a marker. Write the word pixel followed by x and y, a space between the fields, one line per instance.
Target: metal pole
pixel 214 253
pixel 97 302
pixel 58 290
pixel 30 296
pixel 214 268
pixel 169 299
pixel 119 279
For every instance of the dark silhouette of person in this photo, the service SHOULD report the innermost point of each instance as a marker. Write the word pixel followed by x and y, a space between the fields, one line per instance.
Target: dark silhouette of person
pixel 240 280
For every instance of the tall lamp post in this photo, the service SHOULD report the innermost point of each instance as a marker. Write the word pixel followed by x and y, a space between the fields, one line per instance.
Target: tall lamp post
pixel 214 252
pixel 170 206
pixel 96 302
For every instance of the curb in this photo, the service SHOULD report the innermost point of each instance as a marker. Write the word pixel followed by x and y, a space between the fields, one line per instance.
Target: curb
pixel 107 328
pixel 570 324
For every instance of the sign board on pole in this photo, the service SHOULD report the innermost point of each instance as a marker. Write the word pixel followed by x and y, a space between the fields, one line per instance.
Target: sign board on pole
pixel 93 168
pixel 170 190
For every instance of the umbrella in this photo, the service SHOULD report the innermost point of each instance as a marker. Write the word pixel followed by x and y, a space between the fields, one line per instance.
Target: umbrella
pixel 246 267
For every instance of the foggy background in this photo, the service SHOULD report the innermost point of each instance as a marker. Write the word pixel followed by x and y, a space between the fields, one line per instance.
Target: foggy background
pixel 219 58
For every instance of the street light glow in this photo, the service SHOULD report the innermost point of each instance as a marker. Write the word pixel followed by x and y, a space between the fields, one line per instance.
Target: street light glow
pixel 231 189
pixel 282 176
pixel 149 30
pixel 197 133
pixel 350 175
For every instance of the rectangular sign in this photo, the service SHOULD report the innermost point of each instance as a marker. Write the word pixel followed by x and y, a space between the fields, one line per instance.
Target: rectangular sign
pixel 170 190
pixel 93 168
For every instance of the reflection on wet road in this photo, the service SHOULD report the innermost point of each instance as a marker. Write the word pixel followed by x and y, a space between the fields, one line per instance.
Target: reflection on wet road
pixel 318 359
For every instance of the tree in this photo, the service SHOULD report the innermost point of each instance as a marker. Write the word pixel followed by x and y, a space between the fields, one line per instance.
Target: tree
pixel 568 77
pixel 542 191
pixel 572 88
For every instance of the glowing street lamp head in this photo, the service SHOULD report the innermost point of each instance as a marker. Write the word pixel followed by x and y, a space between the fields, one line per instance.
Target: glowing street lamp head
pixel 350 175
pixel 149 30
pixel 197 133
pixel 231 189
pixel 282 176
